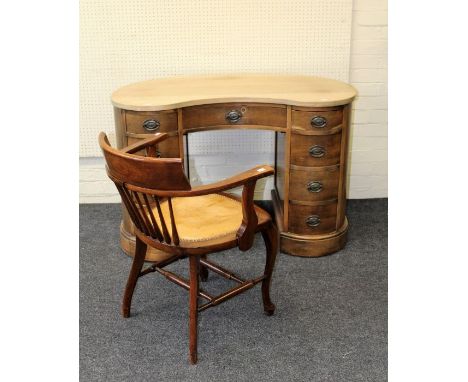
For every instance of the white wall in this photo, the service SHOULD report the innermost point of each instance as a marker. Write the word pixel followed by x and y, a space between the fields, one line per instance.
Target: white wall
pixel 125 41
pixel 95 186
pixel 368 73
pixel 368 169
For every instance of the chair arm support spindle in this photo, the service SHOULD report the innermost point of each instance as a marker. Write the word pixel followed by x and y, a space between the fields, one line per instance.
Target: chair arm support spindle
pixel 246 233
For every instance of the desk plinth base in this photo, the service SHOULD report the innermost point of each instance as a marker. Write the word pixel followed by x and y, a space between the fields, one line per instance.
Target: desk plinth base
pixel 308 245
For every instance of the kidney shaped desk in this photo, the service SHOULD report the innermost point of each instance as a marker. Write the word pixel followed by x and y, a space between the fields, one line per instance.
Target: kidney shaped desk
pixel 310 117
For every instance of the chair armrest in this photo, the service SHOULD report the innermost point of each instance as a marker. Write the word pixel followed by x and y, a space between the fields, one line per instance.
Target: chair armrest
pixel 241 179
pixel 248 179
pixel 145 144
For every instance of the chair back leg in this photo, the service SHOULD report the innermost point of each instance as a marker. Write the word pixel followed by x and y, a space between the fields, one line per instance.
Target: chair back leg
pixel 193 307
pixel 270 237
pixel 138 260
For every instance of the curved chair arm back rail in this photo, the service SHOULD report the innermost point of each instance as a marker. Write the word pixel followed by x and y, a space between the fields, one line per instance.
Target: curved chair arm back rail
pixel 144 183
pixel 235 181
pixel 147 172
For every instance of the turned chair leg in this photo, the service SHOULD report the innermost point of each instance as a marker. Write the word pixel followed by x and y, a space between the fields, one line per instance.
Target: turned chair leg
pixel 193 308
pixel 138 260
pixel 270 237
pixel 203 270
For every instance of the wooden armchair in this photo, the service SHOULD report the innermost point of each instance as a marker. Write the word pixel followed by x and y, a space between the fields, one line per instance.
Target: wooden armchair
pixel 186 221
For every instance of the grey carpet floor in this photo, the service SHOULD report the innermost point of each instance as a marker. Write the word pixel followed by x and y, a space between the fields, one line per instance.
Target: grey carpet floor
pixel 330 322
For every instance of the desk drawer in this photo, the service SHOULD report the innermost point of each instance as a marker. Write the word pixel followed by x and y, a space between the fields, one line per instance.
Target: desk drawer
pixel 167 149
pixel 315 150
pixel 314 183
pixel 312 220
pixel 150 122
pixel 233 114
pixel 316 121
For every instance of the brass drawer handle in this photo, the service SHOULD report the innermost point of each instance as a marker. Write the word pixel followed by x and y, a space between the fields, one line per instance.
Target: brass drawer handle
pixel 318 121
pixel 151 124
pixel 233 116
pixel 317 151
pixel 314 186
pixel 313 221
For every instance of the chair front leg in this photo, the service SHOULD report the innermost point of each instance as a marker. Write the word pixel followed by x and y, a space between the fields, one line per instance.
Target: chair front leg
pixel 270 237
pixel 138 260
pixel 193 307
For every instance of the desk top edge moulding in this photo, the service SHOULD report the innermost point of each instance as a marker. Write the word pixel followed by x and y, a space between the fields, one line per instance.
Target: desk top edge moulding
pixel 182 91
pixel 310 117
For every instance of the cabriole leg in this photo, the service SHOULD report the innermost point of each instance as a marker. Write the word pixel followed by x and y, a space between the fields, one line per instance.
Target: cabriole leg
pixel 138 260
pixel 270 237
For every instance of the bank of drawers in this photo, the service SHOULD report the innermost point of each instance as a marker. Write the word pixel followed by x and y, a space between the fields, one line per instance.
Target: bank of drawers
pixel 314 173
pixel 314 170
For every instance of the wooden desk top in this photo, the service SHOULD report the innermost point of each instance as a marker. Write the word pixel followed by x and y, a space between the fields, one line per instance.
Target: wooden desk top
pixel 175 92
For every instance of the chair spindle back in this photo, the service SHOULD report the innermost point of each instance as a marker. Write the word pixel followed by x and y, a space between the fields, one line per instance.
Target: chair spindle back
pixel 127 170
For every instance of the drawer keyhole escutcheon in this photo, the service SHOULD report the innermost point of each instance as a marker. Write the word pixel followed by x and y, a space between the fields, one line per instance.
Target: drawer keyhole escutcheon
pixel 313 221
pixel 151 124
pixel 318 121
pixel 317 151
pixel 314 186
pixel 233 116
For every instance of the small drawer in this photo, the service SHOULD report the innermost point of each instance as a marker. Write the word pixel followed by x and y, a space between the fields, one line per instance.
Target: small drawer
pixel 233 114
pixel 169 148
pixel 315 150
pixel 147 122
pixel 316 121
pixel 312 220
pixel 314 183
